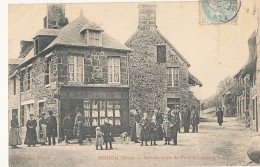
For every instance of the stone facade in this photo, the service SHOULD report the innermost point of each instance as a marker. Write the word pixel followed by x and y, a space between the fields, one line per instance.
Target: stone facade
pixel 148 78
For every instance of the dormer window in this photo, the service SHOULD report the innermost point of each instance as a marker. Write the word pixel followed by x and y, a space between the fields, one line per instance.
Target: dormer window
pixel 94 38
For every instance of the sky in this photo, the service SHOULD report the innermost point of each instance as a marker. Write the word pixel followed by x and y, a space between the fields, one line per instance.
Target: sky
pixel 214 51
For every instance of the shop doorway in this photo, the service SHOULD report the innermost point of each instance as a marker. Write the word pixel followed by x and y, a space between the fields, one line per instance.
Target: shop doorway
pixel 75 103
pixel 173 102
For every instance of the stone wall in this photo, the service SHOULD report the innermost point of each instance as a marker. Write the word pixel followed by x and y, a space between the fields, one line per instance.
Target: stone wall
pixel 95 66
pixel 148 79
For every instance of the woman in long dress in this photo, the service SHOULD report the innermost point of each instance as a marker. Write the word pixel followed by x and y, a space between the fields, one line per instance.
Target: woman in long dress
pixel 31 136
pixel 42 137
pixel 14 135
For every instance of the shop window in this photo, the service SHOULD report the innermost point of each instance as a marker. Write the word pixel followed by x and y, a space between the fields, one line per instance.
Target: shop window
pixel 75 68
pixel 173 77
pixel 161 53
pixel 113 69
pixel 95 112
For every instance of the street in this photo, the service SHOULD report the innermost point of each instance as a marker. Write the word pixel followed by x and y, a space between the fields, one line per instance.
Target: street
pixel 213 145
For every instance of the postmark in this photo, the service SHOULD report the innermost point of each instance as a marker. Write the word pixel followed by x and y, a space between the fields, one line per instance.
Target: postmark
pixel 219 11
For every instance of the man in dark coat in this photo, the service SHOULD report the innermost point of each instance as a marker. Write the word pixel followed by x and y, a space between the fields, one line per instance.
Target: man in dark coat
pixel 136 128
pixel 194 119
pixel 220 116
pixel 107 130
pixel 186 118
pixel 67 127
pixel 31 136
pixel 174 127
pixel 51 128
pixel 145 129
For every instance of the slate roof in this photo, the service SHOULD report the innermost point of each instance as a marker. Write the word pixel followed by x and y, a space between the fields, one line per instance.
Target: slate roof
pixel 192 77
pixel 26 51
pixel 91 26
pixel 48 32
pixel 70 35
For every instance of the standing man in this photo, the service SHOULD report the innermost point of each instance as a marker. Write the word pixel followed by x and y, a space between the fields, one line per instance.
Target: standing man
pixel 186 119
pixel 194 119
pixel 51 128
pixel 67 127
pixel 42 139
pixel 138 127
pixel 174 126
pixel 159 119
pixel 220 116
pixel 145 129
pixel 79 117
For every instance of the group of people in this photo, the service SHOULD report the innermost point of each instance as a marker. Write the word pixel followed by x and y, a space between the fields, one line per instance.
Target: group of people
pixel 158 126
pixel 166 125
pixel 47 129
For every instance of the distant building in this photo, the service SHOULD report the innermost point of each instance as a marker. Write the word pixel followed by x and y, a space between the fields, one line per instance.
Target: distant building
pixel 159 75
pixel 74 65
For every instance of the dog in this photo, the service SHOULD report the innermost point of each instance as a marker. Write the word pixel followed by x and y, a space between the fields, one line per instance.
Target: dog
pixel 124 138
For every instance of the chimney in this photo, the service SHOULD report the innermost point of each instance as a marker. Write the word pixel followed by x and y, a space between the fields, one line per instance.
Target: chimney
pixel 55 18
pixel 26 46
pixel 147 17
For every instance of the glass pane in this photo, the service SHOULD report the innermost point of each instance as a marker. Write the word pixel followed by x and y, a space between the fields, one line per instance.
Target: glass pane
pixel 111 121
pixel 86 104
pixel 110 108
pixel 95 113
pixel 95 122
pixel 117 113
pixel 87 122
pixel 117 105
pixel 87 113
pixel 94 104
pixel 117 122
pixel 102 121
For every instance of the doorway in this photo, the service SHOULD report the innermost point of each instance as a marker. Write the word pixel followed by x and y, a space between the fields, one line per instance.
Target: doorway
pixel 173 102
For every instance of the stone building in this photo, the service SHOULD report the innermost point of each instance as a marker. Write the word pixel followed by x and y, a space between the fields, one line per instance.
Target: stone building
pixel 75 65
pixel 159 74
pixel 248 81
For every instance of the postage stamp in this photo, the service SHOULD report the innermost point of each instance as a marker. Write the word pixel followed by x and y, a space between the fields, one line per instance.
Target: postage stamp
pixel 218 11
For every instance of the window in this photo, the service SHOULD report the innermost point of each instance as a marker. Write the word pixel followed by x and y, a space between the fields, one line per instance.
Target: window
pixel 22 81
pixel 173 76
pixel 14 85
pixel 95 112
pixel 94 38
pixel 22 116
pixel 29 78
pixel 114 70
pixel 161 53
pixel 14 112
pixel 75 68
pixel 41 108
pixel 47 72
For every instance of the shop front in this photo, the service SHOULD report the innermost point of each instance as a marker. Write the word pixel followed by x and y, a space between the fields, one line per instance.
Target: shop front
pixel 96 104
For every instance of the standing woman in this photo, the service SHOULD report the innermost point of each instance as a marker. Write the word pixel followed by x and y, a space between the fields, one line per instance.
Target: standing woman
pixel 14 135
pixel 220 116
pixel 159 119
pixel 42 137
pixel 31 136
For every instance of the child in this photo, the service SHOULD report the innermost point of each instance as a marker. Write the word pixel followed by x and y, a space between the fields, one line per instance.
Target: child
pixel 80 133
pixel 107 130
pixel 166 130
pixel 154 125
pixel 99 138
